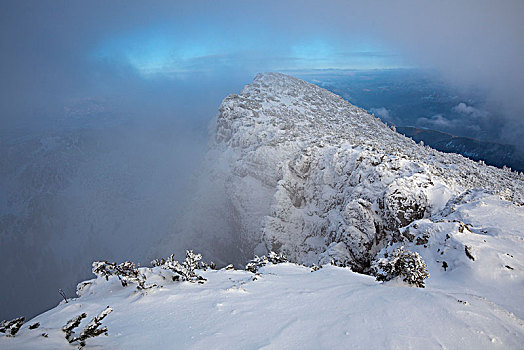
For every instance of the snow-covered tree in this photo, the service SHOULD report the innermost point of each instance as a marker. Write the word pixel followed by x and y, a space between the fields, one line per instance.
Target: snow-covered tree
pixel 401 263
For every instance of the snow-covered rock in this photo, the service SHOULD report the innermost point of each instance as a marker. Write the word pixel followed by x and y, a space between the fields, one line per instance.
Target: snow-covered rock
pixel 295 168
pixel 475 246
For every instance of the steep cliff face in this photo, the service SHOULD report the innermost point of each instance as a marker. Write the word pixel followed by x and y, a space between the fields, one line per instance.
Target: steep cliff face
pixel 308 174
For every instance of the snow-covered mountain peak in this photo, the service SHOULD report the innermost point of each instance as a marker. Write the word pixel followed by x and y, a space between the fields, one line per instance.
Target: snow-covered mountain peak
pixel 309 174
pixel 292 109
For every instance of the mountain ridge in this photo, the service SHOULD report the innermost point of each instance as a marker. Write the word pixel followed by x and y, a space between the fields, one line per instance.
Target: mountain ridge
pixel 302 167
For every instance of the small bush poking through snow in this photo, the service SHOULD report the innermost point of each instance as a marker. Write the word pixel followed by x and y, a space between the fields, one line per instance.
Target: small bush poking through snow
pixel 467 250
pixel 258 262
pixel 126 272
pixel 204 266
pixel 12 327
pixel 158 262
pixel 89 331
pixel 315 267
pixel 71 325
pixel 185 271
pixel 402 263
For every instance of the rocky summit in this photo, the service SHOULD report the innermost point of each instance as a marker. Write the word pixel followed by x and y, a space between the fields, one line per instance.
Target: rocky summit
pixel 307 174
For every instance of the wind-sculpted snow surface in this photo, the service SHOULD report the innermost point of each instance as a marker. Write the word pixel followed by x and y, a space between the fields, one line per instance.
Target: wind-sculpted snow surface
pixel 283 306
pixel 312 176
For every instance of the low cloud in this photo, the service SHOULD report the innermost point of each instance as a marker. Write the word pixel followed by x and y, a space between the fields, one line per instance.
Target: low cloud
pixel 453 126
pixel 463 108
pixel 381 112
pixel 386 116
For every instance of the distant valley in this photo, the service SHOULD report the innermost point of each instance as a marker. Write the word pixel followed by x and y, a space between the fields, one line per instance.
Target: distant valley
pixel 491 153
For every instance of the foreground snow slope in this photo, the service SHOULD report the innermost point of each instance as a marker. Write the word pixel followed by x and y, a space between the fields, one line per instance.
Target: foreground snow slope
pixel 286 306
pixel 492 232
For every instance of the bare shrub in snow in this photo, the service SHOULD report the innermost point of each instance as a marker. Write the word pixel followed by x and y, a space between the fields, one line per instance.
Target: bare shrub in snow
pixel 258 262
pixel 401 263
pixel 12 327
pixel 62 293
